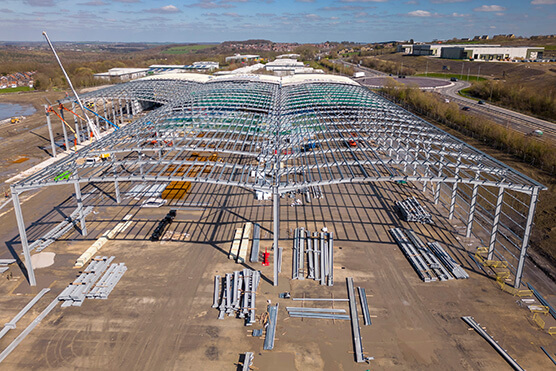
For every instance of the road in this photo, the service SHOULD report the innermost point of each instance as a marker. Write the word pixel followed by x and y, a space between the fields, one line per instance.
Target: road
pixel 517 121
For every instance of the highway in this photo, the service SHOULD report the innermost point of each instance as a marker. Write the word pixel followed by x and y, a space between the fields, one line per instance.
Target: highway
pixel 517 121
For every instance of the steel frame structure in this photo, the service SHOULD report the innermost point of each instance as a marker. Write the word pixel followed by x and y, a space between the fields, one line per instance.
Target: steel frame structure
pixel 285 134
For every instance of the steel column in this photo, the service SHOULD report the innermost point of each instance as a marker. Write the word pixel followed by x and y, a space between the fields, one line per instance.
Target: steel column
pixel 472 205
pixel 117 187
pixel 495 222
pixel 80 208
pixel 526 236
pixel 276 214
pixel 49 124
pixel 23 237
pixel 77 129
pixel 438 184
pixel 64 130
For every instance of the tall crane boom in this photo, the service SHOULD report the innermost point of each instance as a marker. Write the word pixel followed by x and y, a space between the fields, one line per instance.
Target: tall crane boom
pixel 91 125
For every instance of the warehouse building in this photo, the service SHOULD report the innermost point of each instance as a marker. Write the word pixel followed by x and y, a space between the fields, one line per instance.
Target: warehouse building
pixel 490 52
pixel 122 74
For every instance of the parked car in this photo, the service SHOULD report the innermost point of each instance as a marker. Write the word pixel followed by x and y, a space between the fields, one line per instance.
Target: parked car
pixel 453 79
pixel 481 102
pixel 465 108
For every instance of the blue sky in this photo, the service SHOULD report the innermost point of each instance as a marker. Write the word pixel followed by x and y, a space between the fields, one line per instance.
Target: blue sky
pixel 277 20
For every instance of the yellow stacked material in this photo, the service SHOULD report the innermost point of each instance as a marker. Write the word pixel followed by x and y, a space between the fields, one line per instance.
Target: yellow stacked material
pixel 538 320
pixel 91 251
pixel 234 251
pixel 244 247
pixel 120 227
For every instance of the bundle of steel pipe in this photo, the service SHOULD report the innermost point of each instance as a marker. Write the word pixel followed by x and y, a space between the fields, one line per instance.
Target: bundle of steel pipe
pixel 412 211
pixel 76 292
pixel 237 294
pixel 106 284
pixel 61 229
pixel 448 261
pixel 319 248
pixel 316 191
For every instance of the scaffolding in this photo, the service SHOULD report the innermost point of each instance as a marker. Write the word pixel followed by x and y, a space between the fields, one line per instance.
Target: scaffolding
pixel 279 135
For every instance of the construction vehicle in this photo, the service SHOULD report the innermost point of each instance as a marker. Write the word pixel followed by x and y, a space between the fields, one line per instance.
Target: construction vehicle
pixel 15 120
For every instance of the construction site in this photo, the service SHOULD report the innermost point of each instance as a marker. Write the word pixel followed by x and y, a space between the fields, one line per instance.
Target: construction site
pixel 225 223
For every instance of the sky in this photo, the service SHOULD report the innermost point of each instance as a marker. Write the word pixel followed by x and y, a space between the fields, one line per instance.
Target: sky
pixel 303 21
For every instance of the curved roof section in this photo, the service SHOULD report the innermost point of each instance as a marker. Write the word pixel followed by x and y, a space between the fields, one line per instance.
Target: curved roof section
pixel 257 134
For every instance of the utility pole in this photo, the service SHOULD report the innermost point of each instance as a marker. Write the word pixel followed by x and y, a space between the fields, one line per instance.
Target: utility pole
pixel 427 69
pixel 461 75
pixel 479 73
pixel 468 69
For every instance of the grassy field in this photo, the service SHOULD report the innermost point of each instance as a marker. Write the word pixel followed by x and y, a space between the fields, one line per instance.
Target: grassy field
pixel 450 75
pixel 13 90
pixel 185 49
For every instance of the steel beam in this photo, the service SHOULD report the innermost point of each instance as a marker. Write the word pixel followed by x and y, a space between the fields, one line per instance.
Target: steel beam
pixel 495 222
pixel 471 214
pixel 79 200
pixel 276 235
pixel 50 134
pixel 23 237
pixel 526 237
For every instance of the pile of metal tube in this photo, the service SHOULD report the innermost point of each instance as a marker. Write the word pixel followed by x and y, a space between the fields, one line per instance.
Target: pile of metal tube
pixel 235 294
pixel 313 256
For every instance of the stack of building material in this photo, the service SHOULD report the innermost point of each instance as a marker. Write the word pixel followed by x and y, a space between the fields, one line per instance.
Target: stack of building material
pixel 355 329
pixel 364 306
pixel 61 229
pixel 431 260
pixel 256 241
pixel 320 313
pixel 234 250
pixel 271 327
pixel 448 261
pixel 238 294
pixel 412 211
pixel 106 284
pixel 92 250
pixel 248 361
pixel 98 244
pixel 244 246
pixel 4 264
pixel 413 255
pixel 319 248
pixel 316 191
pixel 77 291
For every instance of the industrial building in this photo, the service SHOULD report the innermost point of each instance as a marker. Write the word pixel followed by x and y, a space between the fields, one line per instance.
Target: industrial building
pixel 288 66
pixel 473 51
pixel 242 58
pixel 214 165
pixel 122 74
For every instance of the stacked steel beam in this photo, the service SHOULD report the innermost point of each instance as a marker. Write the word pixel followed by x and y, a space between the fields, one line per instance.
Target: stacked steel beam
pixel 106 284
pixel 447 260
pixel 77 291
pixel 320 313
pixel 430 262
pixel 412 211
pixel 319 248
pixel 235 294
pixel 412 255
pixel 61 229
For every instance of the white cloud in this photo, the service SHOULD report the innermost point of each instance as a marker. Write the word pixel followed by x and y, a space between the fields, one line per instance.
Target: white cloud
pixel 543 2
pixel 419 13
pixel 490 8
pixel 165 9
pixel 364 1
pixel 447 1
pixel 458 15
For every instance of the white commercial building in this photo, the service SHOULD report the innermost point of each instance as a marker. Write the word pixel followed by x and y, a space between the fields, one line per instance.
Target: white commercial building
pixel 122 74
pixel 473 51
pixel 242 58
pixel 286 66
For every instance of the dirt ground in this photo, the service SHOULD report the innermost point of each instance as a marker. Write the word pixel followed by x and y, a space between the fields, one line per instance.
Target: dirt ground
pixel 159 316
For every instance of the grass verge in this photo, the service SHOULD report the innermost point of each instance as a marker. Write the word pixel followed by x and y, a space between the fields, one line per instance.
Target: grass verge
pixel 14 90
